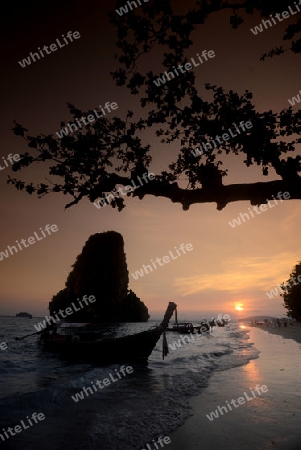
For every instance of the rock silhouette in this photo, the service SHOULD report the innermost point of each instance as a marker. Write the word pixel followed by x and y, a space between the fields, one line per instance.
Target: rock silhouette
pixel 101 270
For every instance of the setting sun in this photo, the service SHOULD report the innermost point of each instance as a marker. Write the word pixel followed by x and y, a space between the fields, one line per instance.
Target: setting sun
pixel 239 307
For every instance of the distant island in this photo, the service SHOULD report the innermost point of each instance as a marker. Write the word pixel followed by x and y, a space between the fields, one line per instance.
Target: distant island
pixel 101 271
pixel 24 314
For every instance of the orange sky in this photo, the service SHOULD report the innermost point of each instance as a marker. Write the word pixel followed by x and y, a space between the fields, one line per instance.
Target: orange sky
pixel 227 266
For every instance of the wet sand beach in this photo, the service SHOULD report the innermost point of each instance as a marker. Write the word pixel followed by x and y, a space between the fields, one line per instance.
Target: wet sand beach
pixel 289 332
pixel 271 420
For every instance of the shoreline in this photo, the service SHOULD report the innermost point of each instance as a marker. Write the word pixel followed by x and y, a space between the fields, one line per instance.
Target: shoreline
pixel 269 421
pixel 289 332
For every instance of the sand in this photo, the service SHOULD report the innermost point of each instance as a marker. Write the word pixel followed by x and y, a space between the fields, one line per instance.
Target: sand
pixel 271 421
pixel 289 332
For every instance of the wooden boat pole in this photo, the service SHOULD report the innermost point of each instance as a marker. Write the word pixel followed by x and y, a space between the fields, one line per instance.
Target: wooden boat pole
pixel 32 334
pixel 165 350
pixel 169 312
pixel 23 337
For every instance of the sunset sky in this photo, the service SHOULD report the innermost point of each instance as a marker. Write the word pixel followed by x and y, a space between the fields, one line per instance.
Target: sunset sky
pixel 228 266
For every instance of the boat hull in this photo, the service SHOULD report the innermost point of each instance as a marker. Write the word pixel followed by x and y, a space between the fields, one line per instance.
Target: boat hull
pixel 183 330
pixel 132 348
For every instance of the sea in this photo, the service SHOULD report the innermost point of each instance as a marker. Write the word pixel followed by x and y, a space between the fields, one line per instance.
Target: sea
pixel 135 410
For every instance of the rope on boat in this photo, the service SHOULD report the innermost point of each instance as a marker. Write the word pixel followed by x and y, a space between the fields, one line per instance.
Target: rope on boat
pixel 165 350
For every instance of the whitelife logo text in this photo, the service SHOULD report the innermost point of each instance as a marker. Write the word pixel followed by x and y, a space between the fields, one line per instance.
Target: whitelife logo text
pixel 90 118
pixel 123 371
pixel 53 48
pixel 31 240
pixel 68 311
pixel 284 14
pixel 17 428
pixel 183 67
pixel 240 400
pixel 124 9
pixel 11 158
pixel 185 339
pixel 295 100
pixel 166 259
pixel 262 208
pixel 284 287
pixel 116 193
pixel 221 139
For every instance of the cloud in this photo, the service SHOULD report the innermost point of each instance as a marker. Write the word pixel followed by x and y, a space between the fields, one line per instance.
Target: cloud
pixel 241 274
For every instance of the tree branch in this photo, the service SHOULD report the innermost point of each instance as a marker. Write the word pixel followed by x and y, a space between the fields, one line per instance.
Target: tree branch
pixel 257 193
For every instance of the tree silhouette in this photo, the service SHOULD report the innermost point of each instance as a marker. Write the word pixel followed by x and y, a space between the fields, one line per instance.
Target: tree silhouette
pixel 109 153
pixel 292 296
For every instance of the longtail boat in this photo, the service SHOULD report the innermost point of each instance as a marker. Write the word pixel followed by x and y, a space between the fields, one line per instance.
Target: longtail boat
pixel 82 340
pixel 181 327
pixel 219 323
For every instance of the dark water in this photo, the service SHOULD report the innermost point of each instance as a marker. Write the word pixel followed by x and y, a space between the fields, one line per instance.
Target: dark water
pixel 128 413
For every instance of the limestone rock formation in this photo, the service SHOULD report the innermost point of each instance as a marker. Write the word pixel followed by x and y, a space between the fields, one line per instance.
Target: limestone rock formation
pixel 101 270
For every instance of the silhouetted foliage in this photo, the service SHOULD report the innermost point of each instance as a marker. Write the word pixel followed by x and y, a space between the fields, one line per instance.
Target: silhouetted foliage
pixel 95 160
pixel 101 270
pixel 292 296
